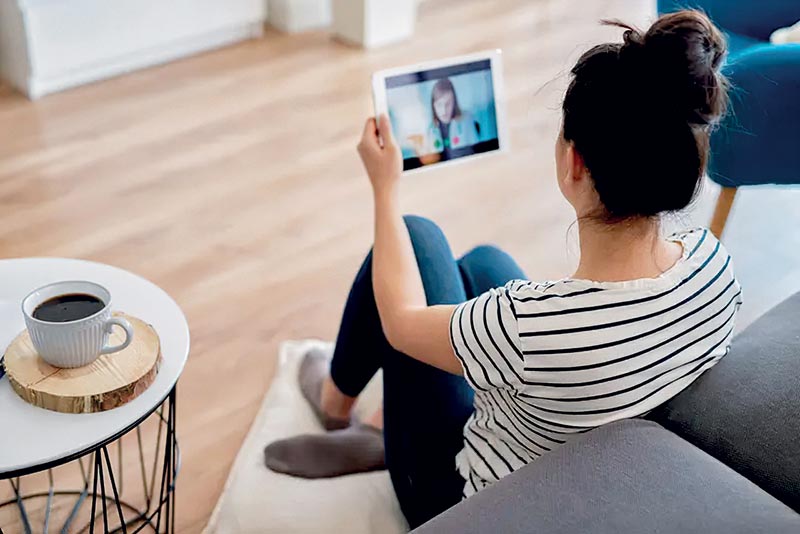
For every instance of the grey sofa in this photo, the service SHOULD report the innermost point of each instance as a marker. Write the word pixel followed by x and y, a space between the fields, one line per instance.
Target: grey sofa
pixel 721 457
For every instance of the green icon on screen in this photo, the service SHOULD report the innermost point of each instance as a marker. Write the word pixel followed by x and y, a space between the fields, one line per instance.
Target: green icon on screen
pixel 437 144
pixel 447 142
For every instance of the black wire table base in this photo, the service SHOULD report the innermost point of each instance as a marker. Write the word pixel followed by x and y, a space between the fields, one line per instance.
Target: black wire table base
pixel 102 489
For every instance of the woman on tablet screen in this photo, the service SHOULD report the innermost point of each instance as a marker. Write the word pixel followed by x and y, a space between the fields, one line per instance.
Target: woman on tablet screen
pixel 452 127
pixel 485 371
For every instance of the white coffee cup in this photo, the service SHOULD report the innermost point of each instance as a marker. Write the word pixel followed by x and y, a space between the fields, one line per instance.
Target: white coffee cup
pixel 73 343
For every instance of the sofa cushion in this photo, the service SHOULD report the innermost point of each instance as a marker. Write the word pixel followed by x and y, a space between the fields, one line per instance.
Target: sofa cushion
pixel 632 476
pixel 746 410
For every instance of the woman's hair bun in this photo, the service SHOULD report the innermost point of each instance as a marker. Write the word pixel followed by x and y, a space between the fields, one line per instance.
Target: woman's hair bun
pixel 680 56
pixel 640 113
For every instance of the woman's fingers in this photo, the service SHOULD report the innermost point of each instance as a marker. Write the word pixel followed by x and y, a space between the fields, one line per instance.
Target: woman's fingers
pixel 377 135
pixel 385 128
pixel 369 137
pixel 383 161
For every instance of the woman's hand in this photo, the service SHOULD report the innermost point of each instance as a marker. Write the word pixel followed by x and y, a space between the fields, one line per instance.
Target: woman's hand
pixel 383 162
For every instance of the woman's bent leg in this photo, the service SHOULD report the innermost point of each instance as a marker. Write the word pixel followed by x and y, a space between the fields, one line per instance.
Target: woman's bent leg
pixel 425 409
pixel 360 343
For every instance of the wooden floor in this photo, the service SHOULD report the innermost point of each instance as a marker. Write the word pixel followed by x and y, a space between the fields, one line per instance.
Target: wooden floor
pixel 231 180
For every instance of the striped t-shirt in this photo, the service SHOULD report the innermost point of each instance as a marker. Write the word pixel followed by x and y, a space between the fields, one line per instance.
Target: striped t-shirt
pixel 552 360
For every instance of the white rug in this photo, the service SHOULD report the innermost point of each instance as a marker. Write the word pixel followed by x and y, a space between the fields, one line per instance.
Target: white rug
pixel 256 500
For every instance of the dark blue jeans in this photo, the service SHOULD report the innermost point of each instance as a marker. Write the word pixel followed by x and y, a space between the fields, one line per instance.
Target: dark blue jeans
pixel 425 409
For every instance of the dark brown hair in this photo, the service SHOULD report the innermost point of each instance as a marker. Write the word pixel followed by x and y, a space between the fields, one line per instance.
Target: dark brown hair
pixel 441 87
pixel 640 113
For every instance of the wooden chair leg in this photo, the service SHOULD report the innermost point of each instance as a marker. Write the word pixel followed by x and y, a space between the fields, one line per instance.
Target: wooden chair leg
pixel 724 203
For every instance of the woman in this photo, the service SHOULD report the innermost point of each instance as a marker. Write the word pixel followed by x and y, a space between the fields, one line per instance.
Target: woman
pixel 451 128
pixel 640 319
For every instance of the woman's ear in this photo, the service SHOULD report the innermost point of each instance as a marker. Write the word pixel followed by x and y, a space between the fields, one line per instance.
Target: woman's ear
pixel 576 168
pixel 574 180
pixel 568 176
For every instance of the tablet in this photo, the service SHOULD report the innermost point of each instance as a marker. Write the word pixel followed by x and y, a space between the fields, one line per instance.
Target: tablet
pixel 445 111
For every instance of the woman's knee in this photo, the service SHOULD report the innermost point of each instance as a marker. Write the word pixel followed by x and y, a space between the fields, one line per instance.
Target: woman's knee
pixel 482 254
pixel 426 235
pixel 437 268
pixel 486 267
pixel 421 226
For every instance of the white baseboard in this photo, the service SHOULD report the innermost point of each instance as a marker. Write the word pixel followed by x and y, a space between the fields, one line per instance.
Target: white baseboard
pixel 48 46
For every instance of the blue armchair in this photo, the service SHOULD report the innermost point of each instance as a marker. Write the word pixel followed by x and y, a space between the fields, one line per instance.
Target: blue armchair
pixel 759 140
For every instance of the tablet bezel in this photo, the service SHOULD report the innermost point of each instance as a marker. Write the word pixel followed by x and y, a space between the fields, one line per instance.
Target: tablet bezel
pixel 494 56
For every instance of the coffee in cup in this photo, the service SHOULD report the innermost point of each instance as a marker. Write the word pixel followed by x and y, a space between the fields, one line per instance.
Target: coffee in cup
pixel 69 323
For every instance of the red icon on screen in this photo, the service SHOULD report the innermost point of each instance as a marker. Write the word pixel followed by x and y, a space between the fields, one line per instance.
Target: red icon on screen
pixel 455 140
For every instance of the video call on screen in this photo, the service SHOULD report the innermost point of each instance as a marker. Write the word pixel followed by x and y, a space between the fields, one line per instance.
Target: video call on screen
pixel 443 114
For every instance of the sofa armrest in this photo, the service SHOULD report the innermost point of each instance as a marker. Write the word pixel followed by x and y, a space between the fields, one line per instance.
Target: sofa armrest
pixel 745 411
pixel 631 476
pixel 758 139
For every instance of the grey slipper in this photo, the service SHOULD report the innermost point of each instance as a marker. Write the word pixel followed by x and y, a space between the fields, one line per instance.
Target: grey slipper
pixel 313 370
pixel 356 449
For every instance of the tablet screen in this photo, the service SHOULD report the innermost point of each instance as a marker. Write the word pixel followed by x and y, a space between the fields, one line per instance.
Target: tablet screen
pixel 443 114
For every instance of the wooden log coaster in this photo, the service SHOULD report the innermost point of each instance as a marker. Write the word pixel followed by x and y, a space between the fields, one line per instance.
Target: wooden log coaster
pixel 110 381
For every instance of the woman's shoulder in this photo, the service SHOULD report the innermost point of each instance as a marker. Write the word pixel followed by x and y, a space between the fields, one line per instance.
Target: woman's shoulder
pixel 695 231
pixel 694 235
pixel 529 291
pixel 700 250
pixel 699 244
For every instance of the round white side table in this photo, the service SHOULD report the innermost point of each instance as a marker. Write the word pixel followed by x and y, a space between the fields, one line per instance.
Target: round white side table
pixel 42 439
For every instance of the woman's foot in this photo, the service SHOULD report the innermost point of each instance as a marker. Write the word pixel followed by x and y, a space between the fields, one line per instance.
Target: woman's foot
pixel 331 406
pixel 356 449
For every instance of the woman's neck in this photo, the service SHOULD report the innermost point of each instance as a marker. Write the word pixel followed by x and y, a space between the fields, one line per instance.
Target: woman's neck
pixel 624 251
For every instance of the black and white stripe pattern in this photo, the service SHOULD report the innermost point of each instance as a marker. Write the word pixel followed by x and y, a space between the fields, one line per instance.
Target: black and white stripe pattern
pixel 550 361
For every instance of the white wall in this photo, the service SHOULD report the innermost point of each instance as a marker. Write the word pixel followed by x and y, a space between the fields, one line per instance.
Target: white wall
pixel 70 42
pixel 13 44
pixel 299 15
pixel 372 23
